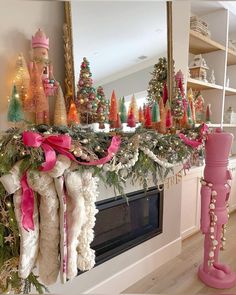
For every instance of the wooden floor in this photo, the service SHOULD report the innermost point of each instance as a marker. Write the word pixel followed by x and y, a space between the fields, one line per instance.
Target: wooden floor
pixel 179 276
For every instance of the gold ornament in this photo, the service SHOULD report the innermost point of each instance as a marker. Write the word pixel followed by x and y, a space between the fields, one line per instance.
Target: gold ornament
pixel 97 148
pixel 22 78
pixel 60 115
pixel 69 60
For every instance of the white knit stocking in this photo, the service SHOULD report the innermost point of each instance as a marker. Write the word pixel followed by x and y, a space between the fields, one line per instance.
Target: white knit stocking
pixel 86 255
pixel 49 265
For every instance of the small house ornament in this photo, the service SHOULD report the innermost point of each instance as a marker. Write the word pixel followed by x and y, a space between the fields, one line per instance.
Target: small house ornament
pixel 198 68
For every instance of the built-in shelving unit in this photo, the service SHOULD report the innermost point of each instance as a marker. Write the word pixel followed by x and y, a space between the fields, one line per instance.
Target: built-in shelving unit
pixel 220 58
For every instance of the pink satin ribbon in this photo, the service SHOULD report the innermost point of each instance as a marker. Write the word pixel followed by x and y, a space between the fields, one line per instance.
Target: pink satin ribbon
pixel 195 143
pixel 51 144
pixel 62 144
pixel 187 141
pixel 27 205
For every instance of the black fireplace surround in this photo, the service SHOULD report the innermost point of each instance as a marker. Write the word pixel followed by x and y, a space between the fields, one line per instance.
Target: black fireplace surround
pixel 121 226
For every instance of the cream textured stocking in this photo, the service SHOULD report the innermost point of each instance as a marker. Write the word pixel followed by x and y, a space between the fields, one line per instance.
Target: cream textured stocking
pixel 76 217
pixel 49 264
pixel 29 240
pixel 86 255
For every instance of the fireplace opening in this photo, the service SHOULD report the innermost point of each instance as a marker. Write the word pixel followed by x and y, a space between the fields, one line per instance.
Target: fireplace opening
pixel 121 226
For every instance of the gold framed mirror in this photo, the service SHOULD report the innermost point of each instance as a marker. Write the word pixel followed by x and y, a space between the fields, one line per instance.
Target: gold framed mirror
pixel 71 73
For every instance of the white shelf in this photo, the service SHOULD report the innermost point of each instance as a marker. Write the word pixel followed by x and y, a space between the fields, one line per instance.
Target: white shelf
pixel 229 125
pixel 201 85
pixel 209 125
pixel 213 125
pixel 230 91
pixel 199 44
pixel 216 125
pixel 231 60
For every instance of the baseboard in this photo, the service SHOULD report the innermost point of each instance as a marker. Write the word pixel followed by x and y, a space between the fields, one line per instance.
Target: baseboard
pixel 135 272
pixel 189 232
pixel 232 209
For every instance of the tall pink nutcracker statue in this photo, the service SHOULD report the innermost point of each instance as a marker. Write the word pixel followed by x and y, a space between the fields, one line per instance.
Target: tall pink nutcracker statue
pixel 42 83
pixel 214 210
pixel 40 55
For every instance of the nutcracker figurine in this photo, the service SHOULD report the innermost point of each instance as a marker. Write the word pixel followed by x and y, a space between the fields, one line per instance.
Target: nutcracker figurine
pixel 41 64
pixel 214 210
pixel 40 49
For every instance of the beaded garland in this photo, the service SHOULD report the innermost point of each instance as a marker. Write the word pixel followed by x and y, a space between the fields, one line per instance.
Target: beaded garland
pixel 213 220
pixel 116 167
pixel 149 153
pixel 131 163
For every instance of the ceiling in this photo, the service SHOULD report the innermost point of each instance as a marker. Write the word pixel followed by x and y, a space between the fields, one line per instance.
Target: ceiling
pixel 202 7
pixel 113 35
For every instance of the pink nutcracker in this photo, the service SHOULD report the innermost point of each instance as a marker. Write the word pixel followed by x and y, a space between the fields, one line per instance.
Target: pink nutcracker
pixel 40 46
pixel 214 210
pixel 41 64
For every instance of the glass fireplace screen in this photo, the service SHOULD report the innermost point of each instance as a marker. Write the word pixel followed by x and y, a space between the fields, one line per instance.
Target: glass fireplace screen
pixel 122 224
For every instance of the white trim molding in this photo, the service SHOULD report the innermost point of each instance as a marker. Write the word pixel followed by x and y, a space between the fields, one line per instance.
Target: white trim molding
pixel 135 272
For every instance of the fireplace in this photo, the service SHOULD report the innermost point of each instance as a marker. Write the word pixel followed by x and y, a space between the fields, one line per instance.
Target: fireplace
pixel 121 226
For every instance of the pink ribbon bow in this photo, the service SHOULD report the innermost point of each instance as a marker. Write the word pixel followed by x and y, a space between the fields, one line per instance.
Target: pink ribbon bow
pixel 195 143
pixel 62 144
pixel 192 143
pixel 50 145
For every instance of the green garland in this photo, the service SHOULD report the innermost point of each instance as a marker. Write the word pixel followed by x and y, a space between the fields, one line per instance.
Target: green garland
pixel 166 147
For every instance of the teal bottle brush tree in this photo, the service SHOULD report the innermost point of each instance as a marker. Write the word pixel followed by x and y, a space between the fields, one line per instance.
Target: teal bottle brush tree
pixel 15 112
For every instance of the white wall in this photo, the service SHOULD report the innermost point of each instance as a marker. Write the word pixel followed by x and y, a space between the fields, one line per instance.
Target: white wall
pixel 181 22
pixel 130 84
pixel 19 20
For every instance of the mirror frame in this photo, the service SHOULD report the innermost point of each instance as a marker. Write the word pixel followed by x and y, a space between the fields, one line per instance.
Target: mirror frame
pixel 70 90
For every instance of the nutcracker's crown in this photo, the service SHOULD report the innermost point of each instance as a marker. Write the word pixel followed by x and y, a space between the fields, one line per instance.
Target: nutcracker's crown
pixel 40 40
